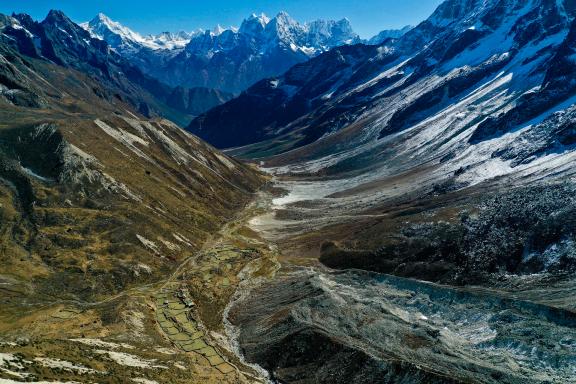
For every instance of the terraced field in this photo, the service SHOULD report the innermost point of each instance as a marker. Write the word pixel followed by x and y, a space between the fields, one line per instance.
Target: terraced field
pixel 176 317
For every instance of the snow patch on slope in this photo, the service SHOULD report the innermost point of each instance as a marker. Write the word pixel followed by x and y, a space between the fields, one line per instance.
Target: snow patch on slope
pixel 130 360
pixel 65 365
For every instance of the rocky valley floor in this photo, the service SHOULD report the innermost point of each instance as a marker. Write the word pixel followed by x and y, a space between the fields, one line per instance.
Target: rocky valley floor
pixel 420 321
pixel 255 304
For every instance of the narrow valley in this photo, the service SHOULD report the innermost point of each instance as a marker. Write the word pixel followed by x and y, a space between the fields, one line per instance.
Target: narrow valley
pixel 289 202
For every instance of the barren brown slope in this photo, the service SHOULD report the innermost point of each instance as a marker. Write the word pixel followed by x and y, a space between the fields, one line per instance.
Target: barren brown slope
pixel 101 194
pixel 100 209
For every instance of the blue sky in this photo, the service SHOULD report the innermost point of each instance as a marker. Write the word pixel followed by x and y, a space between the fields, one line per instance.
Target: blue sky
pixel 368 17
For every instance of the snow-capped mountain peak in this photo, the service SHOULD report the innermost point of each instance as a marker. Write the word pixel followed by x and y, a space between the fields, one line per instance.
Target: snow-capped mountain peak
pixel 309 38
pixel 285 29
pixel 255 24
pixel 169 40
pixel 218 30
pixel 284 18
pixel 230 58
pixel 102 25
pixel 233 59
pixel 124 39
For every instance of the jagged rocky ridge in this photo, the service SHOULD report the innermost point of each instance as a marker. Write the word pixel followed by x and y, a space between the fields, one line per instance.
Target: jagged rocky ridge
pixel 124 40
pixel 262 47
pixel 227 59
pixel 388 34
pixel 58 40
pixel 487 68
